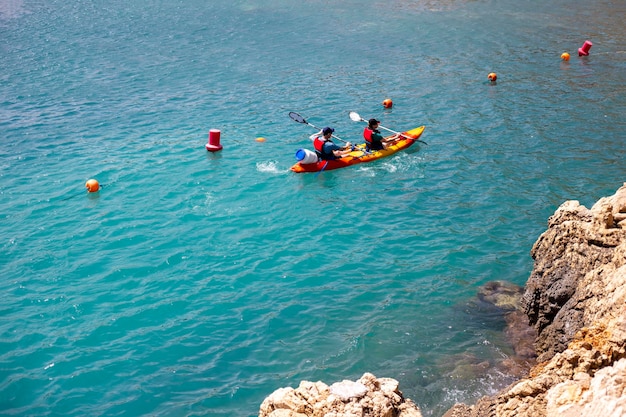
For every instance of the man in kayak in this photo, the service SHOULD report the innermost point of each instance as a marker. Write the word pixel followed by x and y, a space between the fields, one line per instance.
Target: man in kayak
pixel 374 141
pixel 324 146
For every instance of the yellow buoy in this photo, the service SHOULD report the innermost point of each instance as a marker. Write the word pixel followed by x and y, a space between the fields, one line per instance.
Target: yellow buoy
pixel 565 56
pixel 387 103
pixel 260 139
pixel 492 76
pixel 92 185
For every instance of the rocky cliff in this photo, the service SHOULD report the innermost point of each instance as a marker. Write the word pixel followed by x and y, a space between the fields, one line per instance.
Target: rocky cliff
pixel 576 300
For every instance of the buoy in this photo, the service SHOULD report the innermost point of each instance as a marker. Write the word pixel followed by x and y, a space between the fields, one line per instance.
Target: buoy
pixel 260 139
pixel 214 141
pixel 584 50
pixel 492 76
pixel 565 56
pixel 92 186
pixel 387 103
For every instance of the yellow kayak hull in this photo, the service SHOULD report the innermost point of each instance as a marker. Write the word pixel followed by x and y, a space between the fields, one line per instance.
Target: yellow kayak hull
pixel 359 155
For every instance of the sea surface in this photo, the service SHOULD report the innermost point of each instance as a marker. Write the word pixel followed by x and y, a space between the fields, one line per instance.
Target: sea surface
pixel 197 283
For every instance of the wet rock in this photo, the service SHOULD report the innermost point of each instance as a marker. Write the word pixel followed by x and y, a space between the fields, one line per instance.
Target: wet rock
pixel 519 334
pixel 504 295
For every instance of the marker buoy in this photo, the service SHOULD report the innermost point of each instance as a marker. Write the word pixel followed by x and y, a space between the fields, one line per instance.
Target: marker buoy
pixel 584 50
pixel 92 186
pixel 214 141
pixel 565 56
pixel 260 139
pixel 387 103
pixel 492 76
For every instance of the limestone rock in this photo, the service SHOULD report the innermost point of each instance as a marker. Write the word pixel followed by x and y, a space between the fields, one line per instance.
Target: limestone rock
pixel 576 278
pixel 576 300
pixel 602 395
pixel 346 390
pixel 369 396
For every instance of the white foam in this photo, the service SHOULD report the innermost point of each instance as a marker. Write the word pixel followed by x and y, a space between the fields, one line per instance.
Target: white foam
pixel 269 166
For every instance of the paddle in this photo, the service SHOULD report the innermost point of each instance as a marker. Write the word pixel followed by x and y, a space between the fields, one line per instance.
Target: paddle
pixel 297 118
pixel 323 168
pixel 355 117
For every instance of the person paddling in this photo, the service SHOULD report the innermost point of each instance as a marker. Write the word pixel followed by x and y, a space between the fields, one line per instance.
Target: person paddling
pixel 324 146
pixel 374 140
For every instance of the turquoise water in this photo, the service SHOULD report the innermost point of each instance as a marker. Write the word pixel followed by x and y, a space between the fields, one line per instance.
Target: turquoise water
pixel 196 284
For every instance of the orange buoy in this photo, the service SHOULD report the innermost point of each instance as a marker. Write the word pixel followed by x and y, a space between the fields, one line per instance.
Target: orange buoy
pixel 260 139
pixel 492 76
pixel 92 185
pixel 565 56
pixel 387 103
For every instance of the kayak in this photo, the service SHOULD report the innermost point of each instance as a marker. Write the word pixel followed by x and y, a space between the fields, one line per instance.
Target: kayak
pixel 359 155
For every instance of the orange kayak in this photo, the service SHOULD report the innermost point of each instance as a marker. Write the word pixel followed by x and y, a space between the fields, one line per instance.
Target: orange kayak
pixel 359 155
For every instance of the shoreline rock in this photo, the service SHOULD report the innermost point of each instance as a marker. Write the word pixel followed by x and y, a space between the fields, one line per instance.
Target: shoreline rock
pixel 576 300
pixel 575 263
pixel 369 396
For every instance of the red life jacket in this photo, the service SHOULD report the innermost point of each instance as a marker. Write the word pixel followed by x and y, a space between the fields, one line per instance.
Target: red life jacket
pixel 318 144
pixel 367 134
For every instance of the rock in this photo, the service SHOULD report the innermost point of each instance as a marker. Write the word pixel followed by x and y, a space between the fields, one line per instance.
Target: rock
pixel 346 390
pixel 369 396
pixel 602 395
pixel 504 295
pixel 285 399
pixel 575 263
pixel 458 410
pixel 575 298
pixel 521 335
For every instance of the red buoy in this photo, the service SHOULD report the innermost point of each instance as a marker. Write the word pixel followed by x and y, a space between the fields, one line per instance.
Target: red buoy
pixel 214 141
pixel 584 50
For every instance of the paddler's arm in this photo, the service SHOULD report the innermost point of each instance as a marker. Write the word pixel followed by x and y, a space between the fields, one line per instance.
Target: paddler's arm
pixel 392 138
pixel 315 135
pixel 344 151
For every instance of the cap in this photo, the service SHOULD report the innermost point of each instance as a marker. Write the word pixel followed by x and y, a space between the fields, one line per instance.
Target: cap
pixel 373 122
pixel 327 130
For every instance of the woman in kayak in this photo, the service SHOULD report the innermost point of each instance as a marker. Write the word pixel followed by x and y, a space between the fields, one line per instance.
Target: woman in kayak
pixel 324 146
pixel 374 141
